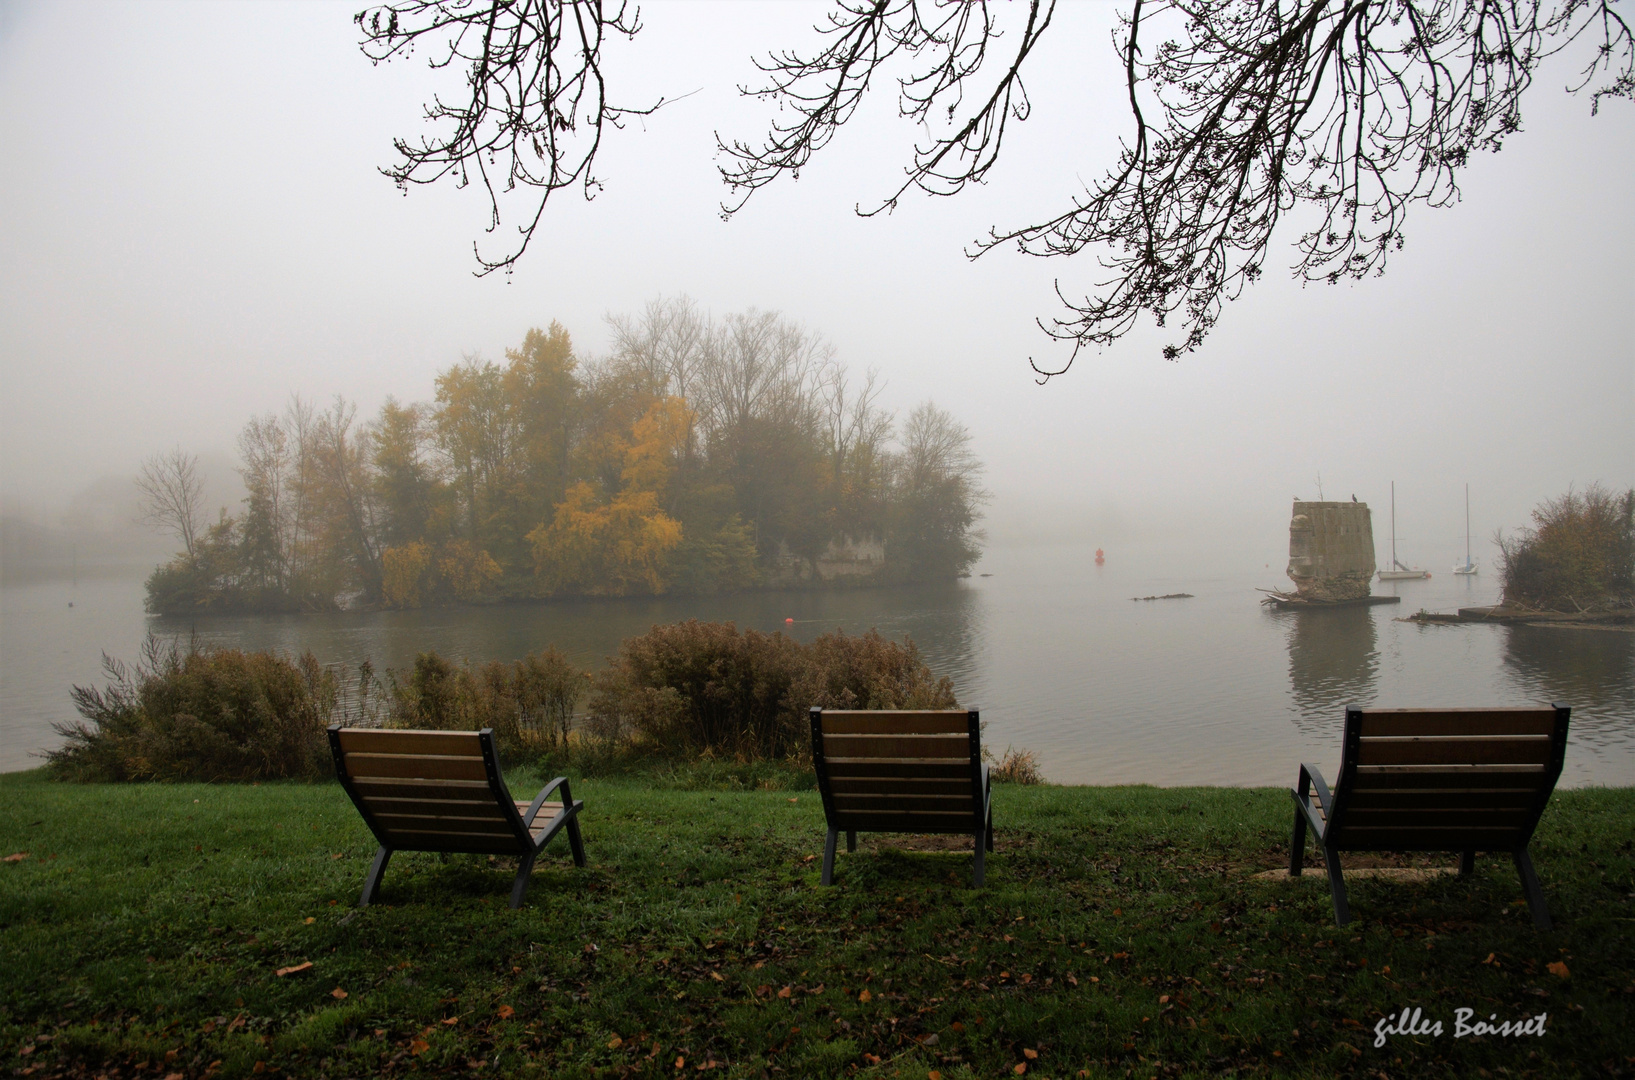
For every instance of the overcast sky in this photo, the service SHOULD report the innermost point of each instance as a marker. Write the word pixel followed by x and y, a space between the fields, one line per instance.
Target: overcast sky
pixel 192 227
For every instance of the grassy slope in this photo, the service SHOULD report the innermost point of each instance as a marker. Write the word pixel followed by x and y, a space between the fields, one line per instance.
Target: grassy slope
pixel 1119 934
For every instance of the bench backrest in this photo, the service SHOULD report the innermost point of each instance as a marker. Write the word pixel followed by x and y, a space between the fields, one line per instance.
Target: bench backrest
pixel 429 790
pixel 899 771
pixel 1445 779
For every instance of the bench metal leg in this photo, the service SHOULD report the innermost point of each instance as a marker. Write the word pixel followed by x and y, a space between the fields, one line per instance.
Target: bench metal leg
pixel 1297 845
pixel 851 840
pixel 977 867
pixel 575 841
pixel 1530 888
pixel 371 883
pixel 525 867
pixel 1336 887
pixel 1467 863
pixel 829 857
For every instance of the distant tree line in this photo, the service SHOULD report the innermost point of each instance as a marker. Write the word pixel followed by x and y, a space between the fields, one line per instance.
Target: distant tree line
pixel 702 455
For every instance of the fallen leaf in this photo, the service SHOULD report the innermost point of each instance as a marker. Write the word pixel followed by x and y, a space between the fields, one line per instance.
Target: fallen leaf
pixel 1489 959
pixel 1071 981
pixel 614 1043
pixel 872 1059
pixel 681 1062
pixel 298 969
pixel 419 1046
pixel 1021 1067
pixel 259 1067
pixel 933 1075
pixel 1118 911
pixel 19 857
pixel 795 799
pixel 506 1012
pixel 809 858
pixel 1557 968
pixel 865 997
pixel 957 1026
pixel 1031 1055
pixel 1163 999
pixel 338 994
pixel 716 975
pixel 311 920
pixel 785 992
pixel 337 855
pixel 451 1021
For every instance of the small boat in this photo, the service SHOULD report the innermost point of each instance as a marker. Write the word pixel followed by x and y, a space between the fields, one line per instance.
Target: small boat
pixel 1469 568
pixel 1100 557
pixel 1398 572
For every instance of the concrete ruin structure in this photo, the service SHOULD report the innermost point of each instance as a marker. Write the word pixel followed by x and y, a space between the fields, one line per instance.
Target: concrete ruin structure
pixel 1331 551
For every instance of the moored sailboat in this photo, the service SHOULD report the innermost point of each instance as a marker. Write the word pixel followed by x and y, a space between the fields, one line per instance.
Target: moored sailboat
pixel 1397 571
pixel 1469 567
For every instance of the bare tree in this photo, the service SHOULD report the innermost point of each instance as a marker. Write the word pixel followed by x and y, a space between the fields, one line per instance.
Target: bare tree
pixel 172 496
pixel 537 107
pixel 1344 113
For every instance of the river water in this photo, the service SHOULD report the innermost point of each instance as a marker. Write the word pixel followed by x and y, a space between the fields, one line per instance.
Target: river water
pixel 1214 689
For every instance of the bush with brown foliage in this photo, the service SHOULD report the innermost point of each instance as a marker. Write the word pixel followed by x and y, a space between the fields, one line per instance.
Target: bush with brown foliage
pixel 1578 557
pixel 203 714
pixel 529 703
pixel 708 688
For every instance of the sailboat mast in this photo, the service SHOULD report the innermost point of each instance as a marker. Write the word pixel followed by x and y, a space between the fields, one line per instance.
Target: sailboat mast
pixel 1393 524
pixel 1467 524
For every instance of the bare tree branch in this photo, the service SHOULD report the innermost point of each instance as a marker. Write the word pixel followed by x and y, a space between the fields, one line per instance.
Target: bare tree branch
pixel 172 496
pixel 537 105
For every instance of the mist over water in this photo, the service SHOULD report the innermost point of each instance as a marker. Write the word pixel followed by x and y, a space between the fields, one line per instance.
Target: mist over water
pixel 1214 689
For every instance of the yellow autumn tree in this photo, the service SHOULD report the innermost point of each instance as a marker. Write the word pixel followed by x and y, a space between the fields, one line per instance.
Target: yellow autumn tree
pixel 467 568
pixel 405 574
pixel 617 548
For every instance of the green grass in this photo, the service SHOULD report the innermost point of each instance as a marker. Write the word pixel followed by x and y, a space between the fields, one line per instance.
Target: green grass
pixel 1120 934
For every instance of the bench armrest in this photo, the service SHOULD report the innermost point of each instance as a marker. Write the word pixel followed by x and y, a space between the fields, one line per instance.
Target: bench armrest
pixel 544 794
pixel 1311 776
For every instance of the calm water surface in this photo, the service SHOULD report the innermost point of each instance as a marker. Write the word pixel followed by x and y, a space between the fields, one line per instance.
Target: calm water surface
pixel 1209 690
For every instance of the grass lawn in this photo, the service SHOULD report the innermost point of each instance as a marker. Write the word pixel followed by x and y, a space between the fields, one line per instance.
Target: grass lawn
pixel 1121 933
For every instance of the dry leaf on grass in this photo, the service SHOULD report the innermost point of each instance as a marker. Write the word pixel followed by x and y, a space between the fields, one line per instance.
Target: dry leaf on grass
pixel 1557 968
pixel 338 994
pixel 298 969
pixel 506 1012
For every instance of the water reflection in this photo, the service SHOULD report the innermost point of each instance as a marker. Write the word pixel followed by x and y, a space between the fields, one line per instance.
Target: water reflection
pixel 1591 670
pixel 944 621
pixel 1333 662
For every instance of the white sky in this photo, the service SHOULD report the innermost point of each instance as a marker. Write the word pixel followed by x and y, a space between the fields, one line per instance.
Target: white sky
pixel 192 227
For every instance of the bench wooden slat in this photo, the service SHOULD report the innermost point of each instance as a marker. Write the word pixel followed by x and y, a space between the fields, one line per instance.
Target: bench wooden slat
pixel 416 766
pixel 906 747
pixel 433 790
pixel 399 821
pixel 1368 817
pixel 876 769
pixel 404 741
pixel 455 842
pixel 895 803
pixel 1443 798
pixel 886 722
pixel 1432 750
pixel 922 822
pixel 1521 721
pixel 850 785
pixel 1398 838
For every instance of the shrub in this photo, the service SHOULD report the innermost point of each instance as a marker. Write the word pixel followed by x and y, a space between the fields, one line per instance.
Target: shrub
pixel 1579 556
pixel 707 688
pixel 529 703
pixel 203 714
pixel 1017 767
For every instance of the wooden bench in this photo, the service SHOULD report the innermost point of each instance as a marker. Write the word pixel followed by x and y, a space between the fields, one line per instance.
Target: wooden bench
pixel 908 772
pixel 1455 780
pixel 442 791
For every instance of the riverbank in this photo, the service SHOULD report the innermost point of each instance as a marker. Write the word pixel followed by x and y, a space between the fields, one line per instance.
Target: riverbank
pixel 1121 929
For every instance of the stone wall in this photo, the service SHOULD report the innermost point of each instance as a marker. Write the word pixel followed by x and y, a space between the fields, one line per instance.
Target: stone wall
pixel 1331 550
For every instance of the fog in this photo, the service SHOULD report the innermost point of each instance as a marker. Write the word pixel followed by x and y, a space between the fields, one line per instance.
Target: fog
pixel 194 228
